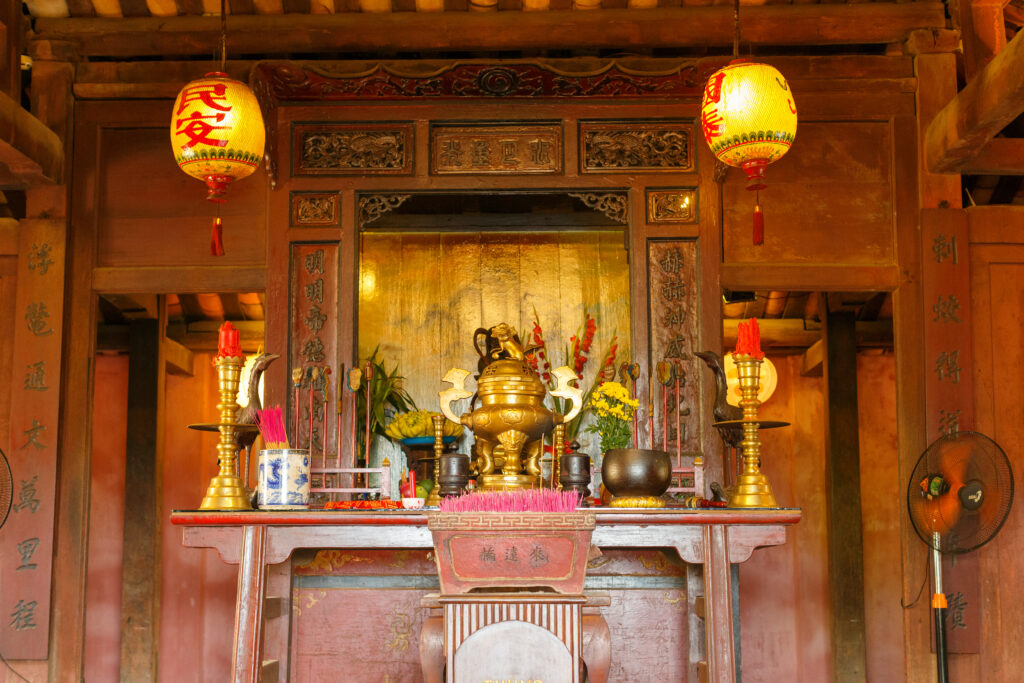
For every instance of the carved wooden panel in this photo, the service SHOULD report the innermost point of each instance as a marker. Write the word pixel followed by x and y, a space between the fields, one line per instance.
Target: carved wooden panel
pixel 352 149
pixel 513 148
pixel 26 541
pixel 313 341
pixel 672 205
pixel 607 146
pixel 674 313
pixel 291 81
pixel 315 208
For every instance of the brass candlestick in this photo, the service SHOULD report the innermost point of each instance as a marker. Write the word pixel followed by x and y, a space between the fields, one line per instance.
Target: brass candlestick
pixel 226 490
pixel 751 489
pixel 434 497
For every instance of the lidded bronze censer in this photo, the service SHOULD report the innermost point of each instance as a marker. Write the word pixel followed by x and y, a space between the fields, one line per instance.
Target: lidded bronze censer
pixel 511 420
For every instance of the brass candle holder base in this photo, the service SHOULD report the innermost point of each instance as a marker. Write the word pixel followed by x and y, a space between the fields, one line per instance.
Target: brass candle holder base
pixel 752 491
pixel 226 493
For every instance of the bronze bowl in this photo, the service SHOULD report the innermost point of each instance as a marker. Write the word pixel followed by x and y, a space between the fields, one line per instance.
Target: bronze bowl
pixel 636 472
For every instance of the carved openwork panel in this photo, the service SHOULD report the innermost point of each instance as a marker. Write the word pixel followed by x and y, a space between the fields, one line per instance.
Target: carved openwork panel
pixel 345 149
pixel 295 82
pixel 315 208
pixel 672 205
pixel 501 149
pixel 636 146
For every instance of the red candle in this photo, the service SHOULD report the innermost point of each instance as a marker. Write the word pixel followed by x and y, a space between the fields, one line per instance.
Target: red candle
pixel 228 345
pixel 748 339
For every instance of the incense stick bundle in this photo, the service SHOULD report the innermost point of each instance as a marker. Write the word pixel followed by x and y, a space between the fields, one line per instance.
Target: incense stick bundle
pixel 271 424
pixel 528 500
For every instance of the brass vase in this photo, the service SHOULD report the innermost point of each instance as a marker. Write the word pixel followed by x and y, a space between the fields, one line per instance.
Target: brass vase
pixel 636 477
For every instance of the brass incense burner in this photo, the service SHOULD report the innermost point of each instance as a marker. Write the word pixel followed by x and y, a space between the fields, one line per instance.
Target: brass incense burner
pixel 511 420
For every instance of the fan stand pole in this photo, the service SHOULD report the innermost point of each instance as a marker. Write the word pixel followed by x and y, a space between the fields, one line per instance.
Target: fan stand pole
pixel 939 607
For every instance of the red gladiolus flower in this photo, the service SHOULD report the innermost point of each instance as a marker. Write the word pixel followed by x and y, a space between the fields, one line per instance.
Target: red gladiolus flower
pixel 590 328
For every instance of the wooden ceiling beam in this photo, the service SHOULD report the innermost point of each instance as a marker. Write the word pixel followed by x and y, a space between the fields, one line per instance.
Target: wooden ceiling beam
pixel 32 153
pixel 783 333
pixel 664 27
pixel 999 156
pixel 989 102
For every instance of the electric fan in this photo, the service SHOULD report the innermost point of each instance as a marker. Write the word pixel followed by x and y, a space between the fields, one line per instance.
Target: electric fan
pixel 6 489
pixel 959 495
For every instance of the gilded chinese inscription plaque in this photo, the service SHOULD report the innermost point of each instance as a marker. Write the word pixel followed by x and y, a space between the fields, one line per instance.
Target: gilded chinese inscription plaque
pixel 503 149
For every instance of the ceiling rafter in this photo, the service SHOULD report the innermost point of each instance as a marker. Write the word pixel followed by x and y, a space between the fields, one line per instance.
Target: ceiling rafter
pixel 962 136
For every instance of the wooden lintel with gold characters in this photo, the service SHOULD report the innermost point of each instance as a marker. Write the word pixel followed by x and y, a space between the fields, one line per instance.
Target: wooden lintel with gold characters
pixel 512 148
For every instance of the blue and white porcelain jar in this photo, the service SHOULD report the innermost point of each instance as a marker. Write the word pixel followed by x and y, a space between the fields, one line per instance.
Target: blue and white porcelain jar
pixel 283 479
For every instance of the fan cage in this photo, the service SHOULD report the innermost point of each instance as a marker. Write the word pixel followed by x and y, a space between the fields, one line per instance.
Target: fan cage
pixel 980 459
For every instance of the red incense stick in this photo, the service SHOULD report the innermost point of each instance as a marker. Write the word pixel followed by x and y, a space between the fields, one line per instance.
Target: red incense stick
pixel 314 372
pixel 650 409
pixel 339 403
pixel 679 450
pixel 368 375
pixel 297 374
pixel 323 430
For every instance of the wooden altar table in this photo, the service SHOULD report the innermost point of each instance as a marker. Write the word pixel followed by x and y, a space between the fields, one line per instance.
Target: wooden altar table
pixel 707 540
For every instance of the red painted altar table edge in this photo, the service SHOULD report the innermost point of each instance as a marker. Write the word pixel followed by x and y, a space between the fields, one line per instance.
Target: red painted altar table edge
pixel 713 539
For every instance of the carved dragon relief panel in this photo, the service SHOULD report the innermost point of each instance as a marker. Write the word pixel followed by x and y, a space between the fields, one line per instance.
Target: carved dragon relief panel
pixel 635 146
pixel 345 149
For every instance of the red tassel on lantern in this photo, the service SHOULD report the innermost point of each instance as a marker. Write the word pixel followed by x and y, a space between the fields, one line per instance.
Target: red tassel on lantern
pixel 758 226
pixel 217 238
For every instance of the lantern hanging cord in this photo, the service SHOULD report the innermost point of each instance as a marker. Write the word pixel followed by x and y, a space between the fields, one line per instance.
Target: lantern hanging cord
pixel 736 29
pixel 224 35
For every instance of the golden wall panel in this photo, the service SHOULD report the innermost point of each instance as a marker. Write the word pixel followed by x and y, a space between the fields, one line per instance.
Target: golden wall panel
pixel 422 296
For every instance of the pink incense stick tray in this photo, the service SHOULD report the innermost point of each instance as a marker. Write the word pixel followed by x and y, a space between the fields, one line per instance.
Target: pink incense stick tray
pixel 486 550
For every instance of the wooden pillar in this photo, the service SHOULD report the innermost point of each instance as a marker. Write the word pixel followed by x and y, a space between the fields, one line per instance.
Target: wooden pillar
pixel 842 485
pixel 140 573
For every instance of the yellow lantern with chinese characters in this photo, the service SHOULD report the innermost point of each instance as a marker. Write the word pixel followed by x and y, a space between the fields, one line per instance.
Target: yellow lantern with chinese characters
pixel 748 118
pixel 217 132
pixel 217 135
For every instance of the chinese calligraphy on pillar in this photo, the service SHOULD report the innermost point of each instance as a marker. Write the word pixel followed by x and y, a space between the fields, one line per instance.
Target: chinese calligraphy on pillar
pixel 673 315
pixel 26 540
pixel 313 339
pixel 949 391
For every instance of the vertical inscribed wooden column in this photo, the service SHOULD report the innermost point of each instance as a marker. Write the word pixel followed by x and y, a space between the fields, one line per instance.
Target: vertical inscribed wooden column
pixel 842 481
pixel 26 541
pixel 313 339
pixel 140 571
pixel 674 314
pixel 949 388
